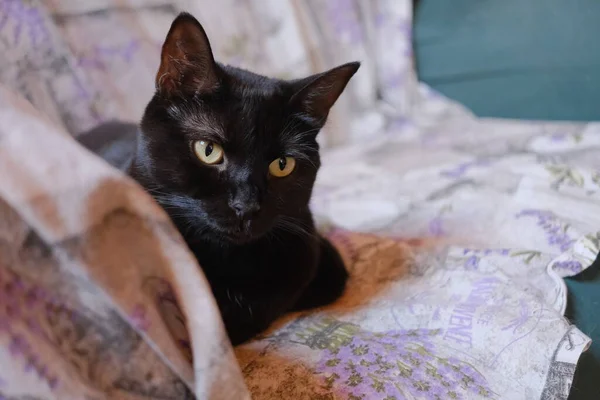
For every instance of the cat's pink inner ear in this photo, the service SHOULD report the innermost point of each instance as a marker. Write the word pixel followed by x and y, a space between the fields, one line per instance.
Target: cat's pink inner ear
pixel 186 64
pixel 322 90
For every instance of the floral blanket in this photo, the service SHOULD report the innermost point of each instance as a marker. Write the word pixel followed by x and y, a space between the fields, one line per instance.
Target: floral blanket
pixel 457 231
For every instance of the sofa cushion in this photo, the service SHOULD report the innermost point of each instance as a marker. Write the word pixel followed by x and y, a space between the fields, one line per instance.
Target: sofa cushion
pixel 534 59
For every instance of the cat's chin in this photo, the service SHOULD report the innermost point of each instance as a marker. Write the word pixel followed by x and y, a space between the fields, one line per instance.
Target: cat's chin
pixel 239 239
pixel 238 236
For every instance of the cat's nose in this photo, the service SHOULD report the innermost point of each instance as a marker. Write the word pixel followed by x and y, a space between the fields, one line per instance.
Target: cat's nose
pixel 245 210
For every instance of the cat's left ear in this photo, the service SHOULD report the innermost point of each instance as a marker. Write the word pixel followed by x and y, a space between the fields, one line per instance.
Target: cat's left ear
pixel 318 93
pixel 186 63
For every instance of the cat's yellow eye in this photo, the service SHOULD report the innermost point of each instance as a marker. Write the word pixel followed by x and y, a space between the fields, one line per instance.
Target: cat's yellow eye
pixel 208 152
pixel 282 166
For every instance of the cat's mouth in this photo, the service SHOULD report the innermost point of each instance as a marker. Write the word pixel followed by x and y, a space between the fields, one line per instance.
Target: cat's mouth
pixel 240 232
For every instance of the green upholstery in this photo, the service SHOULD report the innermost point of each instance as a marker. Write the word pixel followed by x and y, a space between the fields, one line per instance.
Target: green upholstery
pixel 534 59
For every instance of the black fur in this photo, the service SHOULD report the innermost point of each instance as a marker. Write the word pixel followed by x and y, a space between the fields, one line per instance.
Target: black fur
pixel 270 260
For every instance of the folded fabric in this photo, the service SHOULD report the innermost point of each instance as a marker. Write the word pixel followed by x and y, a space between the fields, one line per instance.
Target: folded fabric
pixel 100 298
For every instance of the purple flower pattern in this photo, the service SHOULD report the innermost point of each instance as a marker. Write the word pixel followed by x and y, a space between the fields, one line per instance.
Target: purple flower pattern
pixel 400 364
pixel 436 227
pixel 34 52
pixel 461 169
pixel 473 256
pixel 572 267
pixel 19 302
pixel 471 263
pixel 343 18
pixel 396 33
pixel 486 252
pixel 556 233
pixel 398 124
pixel 23 17
pixel 100 56
pixel 560 137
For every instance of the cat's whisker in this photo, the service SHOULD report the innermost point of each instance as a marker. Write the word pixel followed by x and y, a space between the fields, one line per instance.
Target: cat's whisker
pixel 294 226
pixel 297 224
pixel 237 300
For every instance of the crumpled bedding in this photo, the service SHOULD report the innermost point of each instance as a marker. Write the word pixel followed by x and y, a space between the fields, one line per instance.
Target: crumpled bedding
pixel 457 231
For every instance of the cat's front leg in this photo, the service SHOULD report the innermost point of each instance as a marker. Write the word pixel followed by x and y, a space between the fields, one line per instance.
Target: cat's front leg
pixel 329 282
pixel 280 272
pixel 246 312
pixel 238 316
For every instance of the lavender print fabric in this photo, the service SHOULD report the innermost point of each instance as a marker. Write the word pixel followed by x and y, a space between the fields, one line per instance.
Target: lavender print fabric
pixel 457 231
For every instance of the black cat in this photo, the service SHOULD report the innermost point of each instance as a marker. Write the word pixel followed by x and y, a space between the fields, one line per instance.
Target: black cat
pixel 232 157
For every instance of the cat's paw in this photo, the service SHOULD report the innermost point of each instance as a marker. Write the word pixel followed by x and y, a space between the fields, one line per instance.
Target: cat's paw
pixel 243 318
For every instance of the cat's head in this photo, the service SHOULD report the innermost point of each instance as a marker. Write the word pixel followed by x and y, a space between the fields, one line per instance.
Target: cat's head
pixel 226 151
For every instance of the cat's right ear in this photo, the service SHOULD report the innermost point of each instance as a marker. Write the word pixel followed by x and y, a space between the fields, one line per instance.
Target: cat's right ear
pixel 186 64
